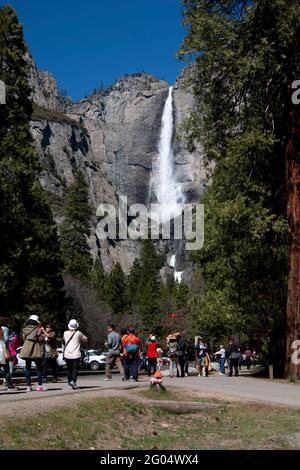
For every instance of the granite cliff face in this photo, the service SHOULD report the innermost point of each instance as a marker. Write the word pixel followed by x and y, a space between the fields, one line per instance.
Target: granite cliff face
pixel 112 137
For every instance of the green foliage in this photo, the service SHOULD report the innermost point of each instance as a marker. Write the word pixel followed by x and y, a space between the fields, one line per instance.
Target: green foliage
pixel 143 287
pixel 99 279
pixel 30 258
pixel 75 230
pixel 149 307
pixel 244 59
pixel 116 290
pixel 181 293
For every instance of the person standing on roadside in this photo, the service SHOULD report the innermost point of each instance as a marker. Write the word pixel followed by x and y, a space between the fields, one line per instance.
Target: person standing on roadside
pixel 222 354
pixel 152 354
pixel 32 350
pixel 10 360
pixel 172 346
pixel 248 354
pixel 132 349
pixel 73 338
pixel 181 353
pixel 114 353
pixel 50 351
pixel 201 352
pixel 233 355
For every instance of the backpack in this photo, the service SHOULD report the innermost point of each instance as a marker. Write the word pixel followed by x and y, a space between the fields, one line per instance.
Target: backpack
pixel 173 352
pixel 235 355
pixel 13 343
pixel 132 348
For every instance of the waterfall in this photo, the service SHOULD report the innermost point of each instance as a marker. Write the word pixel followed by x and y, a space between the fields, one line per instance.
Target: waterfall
pixel 167 190
pixel 172 261
pixel 177 274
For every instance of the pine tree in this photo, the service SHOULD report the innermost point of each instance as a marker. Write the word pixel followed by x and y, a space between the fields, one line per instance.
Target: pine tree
pixel 75 230
pixel 134 281
pixel 245 59
pixel 181 293
pixel 116 290
pixel 30 258
pixel 143 287
pixel 149 307
pixel 99 279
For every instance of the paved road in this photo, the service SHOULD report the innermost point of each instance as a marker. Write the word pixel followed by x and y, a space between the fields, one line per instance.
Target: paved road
pixel 245 387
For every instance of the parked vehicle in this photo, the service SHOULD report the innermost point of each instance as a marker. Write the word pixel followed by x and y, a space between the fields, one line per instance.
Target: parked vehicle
pixel 21 362
pixel 61 363
pixel 95 359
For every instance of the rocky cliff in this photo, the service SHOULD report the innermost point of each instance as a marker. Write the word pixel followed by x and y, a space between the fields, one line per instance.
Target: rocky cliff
pixel 112 136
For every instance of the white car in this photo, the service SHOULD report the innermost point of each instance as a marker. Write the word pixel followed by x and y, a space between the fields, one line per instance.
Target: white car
pixel 95 359
pixel 61 363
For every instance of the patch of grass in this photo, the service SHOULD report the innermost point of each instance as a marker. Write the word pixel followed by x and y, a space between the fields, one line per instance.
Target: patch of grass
pixel 115 423
pixel 173 394
pixel 162 394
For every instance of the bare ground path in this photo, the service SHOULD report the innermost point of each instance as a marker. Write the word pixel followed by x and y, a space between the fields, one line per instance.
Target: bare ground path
pixel 93 386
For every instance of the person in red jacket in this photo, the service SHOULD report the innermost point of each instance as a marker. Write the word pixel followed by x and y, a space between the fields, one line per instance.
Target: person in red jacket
pixel 152 354
pixel 132 349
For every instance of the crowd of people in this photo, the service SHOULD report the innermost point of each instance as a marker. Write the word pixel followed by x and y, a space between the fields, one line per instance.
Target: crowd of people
pixel 125 351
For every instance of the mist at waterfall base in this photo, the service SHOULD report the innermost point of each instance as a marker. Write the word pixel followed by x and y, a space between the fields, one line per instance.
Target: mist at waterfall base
pixel 167 190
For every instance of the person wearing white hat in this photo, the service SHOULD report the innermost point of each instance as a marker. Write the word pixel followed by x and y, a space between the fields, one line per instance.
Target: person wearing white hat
pixel 32 350
pixel 152 354
pixel 73 338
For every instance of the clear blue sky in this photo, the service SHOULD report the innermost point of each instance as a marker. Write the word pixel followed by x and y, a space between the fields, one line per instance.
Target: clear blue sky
pixel 86 42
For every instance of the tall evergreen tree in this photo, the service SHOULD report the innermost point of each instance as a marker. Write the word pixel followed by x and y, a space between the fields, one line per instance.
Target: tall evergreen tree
pixel 30 258
pixel 75 230
pixel 115 290
pixel 99 279
pixel 143 288
pixel 245 58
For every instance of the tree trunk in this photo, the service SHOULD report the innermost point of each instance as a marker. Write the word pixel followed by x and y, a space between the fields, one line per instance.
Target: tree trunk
pixel 292 160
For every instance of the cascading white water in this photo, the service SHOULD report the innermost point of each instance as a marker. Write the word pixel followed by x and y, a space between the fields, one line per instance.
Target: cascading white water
pixel 178 276
pixel 172 261
pixel 167 189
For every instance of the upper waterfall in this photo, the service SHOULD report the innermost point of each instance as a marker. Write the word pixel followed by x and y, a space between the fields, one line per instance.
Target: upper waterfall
pixel 167 190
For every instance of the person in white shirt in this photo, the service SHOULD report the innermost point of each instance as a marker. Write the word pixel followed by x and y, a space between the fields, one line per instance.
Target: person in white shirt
pixel 222 354
pixel 73 338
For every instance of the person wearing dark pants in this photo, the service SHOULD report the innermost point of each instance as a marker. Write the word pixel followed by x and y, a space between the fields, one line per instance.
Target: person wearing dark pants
pixel 181 354
pixel 152 354
pixel 132 349
pixel 233 356
pixel 32 350
pixel 131 367
pixel 72 367
pixel 73 339
pixel 39 369
pixel 233 364
pixel 50 352
pixel 152 365
pixel 50 364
